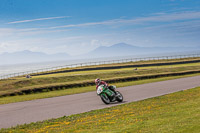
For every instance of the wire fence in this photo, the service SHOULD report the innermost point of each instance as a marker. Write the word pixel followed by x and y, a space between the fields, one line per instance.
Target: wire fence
pixel 98 63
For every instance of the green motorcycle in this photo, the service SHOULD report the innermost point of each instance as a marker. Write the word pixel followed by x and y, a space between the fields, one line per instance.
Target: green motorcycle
pixel 109 95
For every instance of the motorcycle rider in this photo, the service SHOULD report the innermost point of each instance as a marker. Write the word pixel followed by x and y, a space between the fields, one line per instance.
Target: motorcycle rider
pixel 98 82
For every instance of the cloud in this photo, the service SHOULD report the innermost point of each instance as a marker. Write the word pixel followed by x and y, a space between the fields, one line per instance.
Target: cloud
pixel 38 19
pixel 162 17
pixel 11 46
pixel 159 17
pixel 6 32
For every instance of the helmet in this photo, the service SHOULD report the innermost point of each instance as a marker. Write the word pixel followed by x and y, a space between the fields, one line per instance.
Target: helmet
pixel 97 81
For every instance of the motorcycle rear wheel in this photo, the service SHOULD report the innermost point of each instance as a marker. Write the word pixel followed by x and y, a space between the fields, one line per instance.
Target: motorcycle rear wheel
pixel 119 96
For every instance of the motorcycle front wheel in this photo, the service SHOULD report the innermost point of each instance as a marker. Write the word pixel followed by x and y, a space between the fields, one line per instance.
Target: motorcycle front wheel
pixel 105 98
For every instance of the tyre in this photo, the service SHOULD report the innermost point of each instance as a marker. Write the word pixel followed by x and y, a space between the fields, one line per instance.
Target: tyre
pixel 119 97
pixel 105 98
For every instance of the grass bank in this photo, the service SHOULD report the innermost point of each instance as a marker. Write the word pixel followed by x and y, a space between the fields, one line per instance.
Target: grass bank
pixel 43 84
pixel 20 98
pixel 177 112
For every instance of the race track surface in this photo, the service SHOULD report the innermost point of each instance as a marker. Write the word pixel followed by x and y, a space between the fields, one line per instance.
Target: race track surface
pixel 43 109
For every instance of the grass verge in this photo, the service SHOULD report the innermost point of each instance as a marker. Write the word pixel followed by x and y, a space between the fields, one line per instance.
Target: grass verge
pixel 177 112
pixel 20 98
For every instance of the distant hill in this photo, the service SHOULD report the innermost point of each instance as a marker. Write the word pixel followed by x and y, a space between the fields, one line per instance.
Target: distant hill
pixel 30 57
pixel 123 49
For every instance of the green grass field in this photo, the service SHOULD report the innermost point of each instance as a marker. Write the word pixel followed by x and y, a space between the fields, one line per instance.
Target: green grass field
pixel 177 112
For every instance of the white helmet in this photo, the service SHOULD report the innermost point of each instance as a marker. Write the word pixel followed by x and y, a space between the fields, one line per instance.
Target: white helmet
pixel 97 81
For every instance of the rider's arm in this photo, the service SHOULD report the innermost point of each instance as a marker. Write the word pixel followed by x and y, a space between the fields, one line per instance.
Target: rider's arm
pixel 103 82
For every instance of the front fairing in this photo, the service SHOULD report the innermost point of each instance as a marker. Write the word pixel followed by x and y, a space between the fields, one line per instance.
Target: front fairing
pixel 100 89
pixel 103 89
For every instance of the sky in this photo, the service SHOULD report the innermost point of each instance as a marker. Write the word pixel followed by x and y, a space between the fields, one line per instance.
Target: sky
pixel 79 26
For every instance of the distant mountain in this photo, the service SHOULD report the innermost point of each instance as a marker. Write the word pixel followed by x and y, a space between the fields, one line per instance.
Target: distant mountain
pixel 116 50
pixel 30 57
pixel 123 49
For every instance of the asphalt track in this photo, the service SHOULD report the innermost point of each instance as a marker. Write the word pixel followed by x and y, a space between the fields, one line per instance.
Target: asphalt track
pixel 43 109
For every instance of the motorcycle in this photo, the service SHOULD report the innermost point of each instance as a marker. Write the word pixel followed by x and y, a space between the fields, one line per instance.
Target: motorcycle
pixel 107 95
